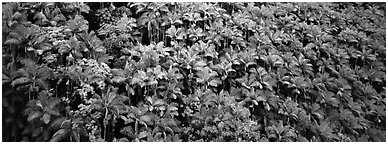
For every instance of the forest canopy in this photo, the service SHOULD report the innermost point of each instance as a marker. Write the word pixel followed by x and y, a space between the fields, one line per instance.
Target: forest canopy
pixel 192 72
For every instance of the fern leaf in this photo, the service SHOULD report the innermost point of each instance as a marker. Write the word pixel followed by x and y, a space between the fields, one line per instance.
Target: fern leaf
pixel 12 41
pixel 142 134
pixel 34 115
pixel 145 119
pixel 54 102
pixel 19 81
pixel 6 79
pixel 57 122
pixel 75 136
pixel 51 112
pixel 128 131
pixel 41 84
pixel 46 118
pixel 59 135
pixel 17 16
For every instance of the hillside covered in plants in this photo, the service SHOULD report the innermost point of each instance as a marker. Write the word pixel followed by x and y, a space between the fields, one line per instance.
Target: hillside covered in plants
pixel 191 72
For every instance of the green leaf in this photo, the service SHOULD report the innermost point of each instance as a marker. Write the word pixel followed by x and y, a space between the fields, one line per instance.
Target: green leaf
pixel 12 41
pixel 19 81
pixel 215 82
pixel 30 49
pixel 51 112
pixel 46 118
pixel 54 102
pixel 27 130
pixel 123 140
pixel 39 16
pixel 36 132
pixel 145 118
pixel 66 123
pixel 159 102
pixel 171 32
pixel 17 16
pixel 75 136
pixel 172 107
pixel 334 101
pixel 177 22
pixel 128 131
pixel 130 120
pixel 41 84
pixel 363 138
pixel 64 48
pixel 5 79
pixel 59 135
pixel 169 129
pixel 142 135
pixel 57 122
pixel 95 78
pixel 33 115
pixel 200 64
pixel 84 8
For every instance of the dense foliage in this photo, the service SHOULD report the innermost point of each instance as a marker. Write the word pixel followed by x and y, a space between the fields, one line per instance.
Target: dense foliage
pixel 193 72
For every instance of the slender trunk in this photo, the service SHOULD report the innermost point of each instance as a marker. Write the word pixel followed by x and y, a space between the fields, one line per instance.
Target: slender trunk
pixel 164 35
pixel 226 42
pixel 34 85
pixel 203 25
pixel 146 90
pixel 247 37
pixel 355 65
pixel 29 94
pixel 149 32
pixel 159 31
pixel 105 125
pixel 104 132
pixel 136 127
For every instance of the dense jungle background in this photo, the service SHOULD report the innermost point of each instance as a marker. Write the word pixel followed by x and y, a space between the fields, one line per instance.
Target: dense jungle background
pixel 206 71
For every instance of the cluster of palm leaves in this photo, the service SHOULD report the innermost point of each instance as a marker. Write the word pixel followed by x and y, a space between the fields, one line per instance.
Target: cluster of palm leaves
pixel 194 72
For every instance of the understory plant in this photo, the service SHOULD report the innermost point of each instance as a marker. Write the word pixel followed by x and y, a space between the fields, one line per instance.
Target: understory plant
pixel 193 72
